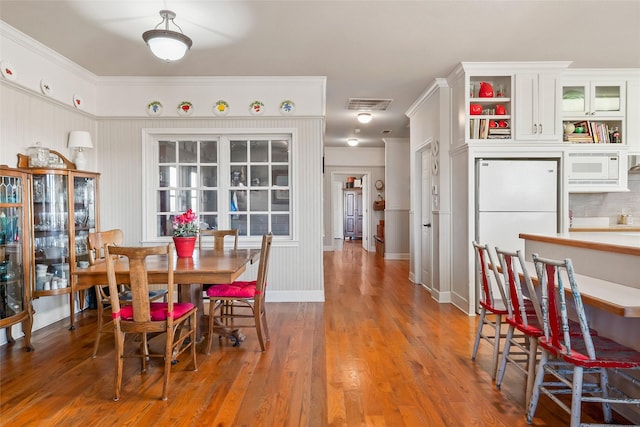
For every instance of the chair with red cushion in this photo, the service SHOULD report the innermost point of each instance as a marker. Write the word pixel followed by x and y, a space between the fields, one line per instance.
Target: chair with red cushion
pixel 143 316
pixel 230 303
pixel 525 316
pixel 581 353
pixel 490 306
pixel 96 241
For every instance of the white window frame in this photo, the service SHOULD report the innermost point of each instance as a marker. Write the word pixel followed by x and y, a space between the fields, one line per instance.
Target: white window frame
pixel 150 164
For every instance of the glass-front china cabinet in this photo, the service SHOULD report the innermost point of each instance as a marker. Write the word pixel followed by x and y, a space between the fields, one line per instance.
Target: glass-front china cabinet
pixel 15 286
pixel 64 211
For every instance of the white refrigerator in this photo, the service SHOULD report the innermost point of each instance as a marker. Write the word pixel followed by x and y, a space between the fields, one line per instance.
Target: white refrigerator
pixel 515 196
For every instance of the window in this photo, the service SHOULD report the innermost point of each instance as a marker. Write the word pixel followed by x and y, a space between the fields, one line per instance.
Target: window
pixel 229 181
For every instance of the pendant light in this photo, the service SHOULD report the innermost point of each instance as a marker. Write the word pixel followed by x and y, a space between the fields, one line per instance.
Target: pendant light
pixel 164 43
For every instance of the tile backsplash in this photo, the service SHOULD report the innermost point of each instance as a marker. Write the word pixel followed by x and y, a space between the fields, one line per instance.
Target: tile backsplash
pixel 611 205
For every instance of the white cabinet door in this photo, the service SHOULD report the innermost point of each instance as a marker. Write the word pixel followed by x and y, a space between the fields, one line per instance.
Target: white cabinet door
pixel 526 101
pixel 536 107
pixel 549 124
pixel 633 113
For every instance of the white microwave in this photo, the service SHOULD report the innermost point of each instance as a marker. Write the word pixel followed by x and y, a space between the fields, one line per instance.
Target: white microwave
pixel 593 168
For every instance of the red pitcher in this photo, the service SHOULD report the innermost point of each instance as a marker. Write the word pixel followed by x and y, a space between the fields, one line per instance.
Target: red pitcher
pixel 486 90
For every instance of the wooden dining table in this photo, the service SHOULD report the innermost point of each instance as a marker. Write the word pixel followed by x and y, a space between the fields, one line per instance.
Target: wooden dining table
pixel 206 266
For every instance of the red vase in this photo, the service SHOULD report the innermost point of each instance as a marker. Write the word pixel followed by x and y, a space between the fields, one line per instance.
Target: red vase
pixel 185 246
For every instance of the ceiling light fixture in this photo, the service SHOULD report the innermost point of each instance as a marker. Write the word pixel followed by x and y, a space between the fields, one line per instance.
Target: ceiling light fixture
pixel 352 141
pixel 166 44
pixel 364 117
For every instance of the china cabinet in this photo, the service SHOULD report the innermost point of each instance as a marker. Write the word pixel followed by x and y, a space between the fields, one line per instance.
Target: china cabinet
pixel 15 288
pixel 64 210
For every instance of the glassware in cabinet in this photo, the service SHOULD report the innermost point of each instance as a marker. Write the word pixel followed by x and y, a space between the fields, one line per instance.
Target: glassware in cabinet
pixel 65 210
pixel 15 288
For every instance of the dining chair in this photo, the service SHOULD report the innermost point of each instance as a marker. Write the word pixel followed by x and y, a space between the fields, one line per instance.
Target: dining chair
pixel 96 242
pixel 491 307
pixel 246 300
pixel 582 353
pixel 178 320
pixel 524 316
pixel 218 238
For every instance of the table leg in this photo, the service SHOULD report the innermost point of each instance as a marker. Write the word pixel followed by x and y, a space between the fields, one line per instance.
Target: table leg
pixel 193 293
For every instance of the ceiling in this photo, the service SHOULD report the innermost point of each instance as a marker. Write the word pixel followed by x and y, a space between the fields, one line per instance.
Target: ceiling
pixel 367 49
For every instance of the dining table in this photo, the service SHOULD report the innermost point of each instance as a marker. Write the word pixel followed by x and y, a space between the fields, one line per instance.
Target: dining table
pixel 206 266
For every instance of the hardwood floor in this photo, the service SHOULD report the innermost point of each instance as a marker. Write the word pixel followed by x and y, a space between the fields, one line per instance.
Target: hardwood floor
pixel 378 352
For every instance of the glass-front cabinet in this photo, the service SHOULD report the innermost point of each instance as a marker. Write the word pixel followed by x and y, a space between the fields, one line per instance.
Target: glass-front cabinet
pixel 594 111
pixel 15 288
pixel 65 210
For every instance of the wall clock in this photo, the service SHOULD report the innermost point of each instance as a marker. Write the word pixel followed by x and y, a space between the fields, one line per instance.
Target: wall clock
pixel 379 184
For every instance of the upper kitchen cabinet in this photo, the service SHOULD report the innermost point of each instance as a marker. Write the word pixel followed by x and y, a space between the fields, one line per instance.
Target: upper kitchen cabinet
pixel 537 104
pixel 506 102
pixel 632 138
pixel 599 106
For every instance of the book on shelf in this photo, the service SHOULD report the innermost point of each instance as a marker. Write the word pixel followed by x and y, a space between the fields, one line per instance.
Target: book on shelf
pixel 481 129
pixel 594 133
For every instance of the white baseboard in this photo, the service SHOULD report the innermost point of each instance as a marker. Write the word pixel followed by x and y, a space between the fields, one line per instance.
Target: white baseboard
pixel 295 296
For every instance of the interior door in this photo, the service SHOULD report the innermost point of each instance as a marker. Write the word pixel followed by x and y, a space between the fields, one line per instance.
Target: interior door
pixel 426 216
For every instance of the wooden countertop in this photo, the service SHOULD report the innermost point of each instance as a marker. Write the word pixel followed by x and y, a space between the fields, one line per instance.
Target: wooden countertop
pixel 621 243
pixel 614 229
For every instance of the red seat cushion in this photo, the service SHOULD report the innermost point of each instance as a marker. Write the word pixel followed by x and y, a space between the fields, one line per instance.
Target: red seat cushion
pixel 233 290
pixel 158 310
pixel 609 354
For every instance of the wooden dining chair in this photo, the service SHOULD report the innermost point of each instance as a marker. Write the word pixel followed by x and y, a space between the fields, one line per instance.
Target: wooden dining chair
pixel 524 318
pixel 96 242
pixel 582 353
pixel 143 316
pixel 218 238
pixel 493 309
pixel 230 304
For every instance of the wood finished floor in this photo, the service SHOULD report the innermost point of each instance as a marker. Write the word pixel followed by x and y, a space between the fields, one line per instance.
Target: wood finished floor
pixel 378 352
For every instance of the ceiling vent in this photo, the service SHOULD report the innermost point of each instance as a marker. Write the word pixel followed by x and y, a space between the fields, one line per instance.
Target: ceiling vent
pixel 368 104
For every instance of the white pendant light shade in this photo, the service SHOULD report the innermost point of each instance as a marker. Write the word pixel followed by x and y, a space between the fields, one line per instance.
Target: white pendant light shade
pixel 164 43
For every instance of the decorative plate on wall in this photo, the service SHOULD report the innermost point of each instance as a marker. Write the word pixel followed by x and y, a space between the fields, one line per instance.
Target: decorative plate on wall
pixel 8 72
pixel 185 108
pixel 221 108
pixel 45 87
pixel 287 107
pixel 256 107
pixel 78 102
pixel 154 108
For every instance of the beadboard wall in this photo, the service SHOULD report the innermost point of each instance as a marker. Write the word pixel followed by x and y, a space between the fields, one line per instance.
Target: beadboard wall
pixel 295 272
pixel 609 205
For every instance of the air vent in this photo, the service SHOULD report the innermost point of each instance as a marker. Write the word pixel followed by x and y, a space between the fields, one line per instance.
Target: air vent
pixel 368 104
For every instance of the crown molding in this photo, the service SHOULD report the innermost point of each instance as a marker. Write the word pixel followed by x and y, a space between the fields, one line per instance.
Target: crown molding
pixel 32 45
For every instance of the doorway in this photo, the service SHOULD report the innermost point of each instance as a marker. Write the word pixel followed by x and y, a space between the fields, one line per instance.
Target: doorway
pixel 338 179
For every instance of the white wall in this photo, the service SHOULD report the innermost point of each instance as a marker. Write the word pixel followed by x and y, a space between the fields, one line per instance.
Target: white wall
pixel 396 212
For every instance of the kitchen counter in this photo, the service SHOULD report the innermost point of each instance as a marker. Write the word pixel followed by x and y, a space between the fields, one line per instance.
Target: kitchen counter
pixel 609 268
pixel 620 243
pixel 612 229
